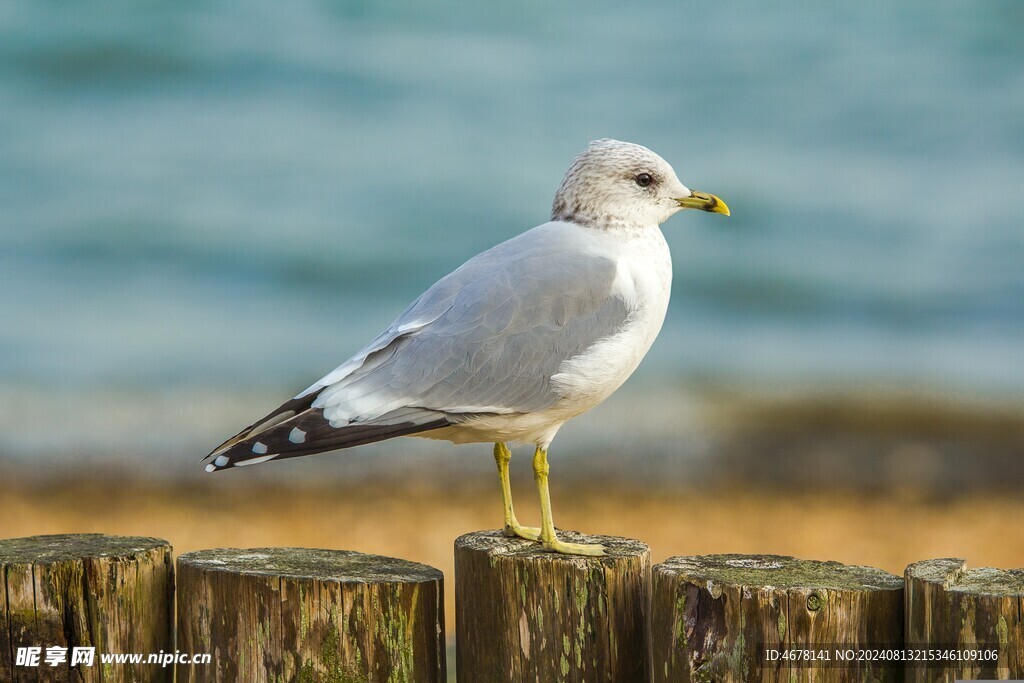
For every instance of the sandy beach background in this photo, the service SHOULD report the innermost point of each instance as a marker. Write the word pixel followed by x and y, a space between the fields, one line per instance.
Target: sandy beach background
pixel 420 522
pixel 852 481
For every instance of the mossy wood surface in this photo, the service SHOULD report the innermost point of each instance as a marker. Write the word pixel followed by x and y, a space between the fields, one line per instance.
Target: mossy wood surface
pixel 297 614
pixel 523 614
pixel 112 593
pixel 949 605
pixel 713 616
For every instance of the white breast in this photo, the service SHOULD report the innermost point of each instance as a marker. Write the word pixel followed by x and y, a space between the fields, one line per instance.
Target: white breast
pixel 644 282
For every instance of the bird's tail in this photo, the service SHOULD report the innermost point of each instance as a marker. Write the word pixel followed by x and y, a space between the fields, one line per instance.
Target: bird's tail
pixel 296 428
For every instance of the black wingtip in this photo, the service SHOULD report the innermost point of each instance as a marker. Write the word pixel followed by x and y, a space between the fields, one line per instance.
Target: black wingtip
pixel 283 413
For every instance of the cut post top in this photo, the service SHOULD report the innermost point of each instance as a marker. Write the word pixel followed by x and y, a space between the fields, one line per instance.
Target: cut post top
pixel 779 571
pixel 496 545
pixel 63 547
pixel 343 566
pixel 954 576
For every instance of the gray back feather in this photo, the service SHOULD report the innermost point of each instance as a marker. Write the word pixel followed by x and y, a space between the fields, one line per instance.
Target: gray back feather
pixel 488 337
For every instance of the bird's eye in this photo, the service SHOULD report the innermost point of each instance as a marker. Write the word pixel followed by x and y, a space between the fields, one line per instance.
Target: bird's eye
pixel 644 179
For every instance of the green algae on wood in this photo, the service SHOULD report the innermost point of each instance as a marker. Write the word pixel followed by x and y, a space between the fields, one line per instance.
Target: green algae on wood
pixel 951 606
pixel 524 614
pixel 112 593
pixel 713 616
pixel 315 616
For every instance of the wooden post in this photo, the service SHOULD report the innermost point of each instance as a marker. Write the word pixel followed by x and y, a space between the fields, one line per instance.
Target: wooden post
pixel 714 616
pixel 111 593
pixel 951 607
pixel 285 614
pixel 523 614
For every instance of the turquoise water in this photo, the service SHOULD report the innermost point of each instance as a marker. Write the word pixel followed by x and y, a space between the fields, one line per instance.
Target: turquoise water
pixel 234 198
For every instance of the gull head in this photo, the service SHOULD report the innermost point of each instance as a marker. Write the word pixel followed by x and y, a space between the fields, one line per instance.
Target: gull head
pixel 619 183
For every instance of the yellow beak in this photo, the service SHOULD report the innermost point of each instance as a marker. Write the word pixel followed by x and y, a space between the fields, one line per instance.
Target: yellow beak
pixel 704 202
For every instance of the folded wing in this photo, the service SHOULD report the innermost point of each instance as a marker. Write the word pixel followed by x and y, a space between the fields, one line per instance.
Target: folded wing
pixel 485 339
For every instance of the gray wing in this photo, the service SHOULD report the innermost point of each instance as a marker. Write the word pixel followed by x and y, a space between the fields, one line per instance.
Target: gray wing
pixel 485 339
pixel 502 325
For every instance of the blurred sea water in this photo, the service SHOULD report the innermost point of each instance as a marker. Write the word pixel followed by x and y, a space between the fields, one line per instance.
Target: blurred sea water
pixel 203 208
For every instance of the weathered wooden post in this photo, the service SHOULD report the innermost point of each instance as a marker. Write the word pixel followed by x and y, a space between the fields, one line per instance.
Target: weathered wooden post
pixel 713 618
pixel 523 614
pixel 285 614
pixel 114 594
pixel 952 608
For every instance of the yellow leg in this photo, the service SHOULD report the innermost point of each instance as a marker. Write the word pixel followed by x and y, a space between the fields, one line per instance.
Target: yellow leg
pixel 547 523
pixel 512 527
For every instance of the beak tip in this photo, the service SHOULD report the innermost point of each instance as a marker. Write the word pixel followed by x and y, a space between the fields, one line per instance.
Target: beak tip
pixel 718 206
pixel 705 202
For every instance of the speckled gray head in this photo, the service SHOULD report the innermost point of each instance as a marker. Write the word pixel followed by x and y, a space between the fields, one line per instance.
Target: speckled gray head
pixel 618 183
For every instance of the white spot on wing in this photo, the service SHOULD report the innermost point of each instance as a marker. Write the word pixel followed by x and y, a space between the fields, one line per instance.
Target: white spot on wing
pixel 297 436
pixel 259 447
pixel 221 461
pixel 211 467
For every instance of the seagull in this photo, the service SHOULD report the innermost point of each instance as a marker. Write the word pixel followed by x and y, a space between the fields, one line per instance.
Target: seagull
pixel 514 342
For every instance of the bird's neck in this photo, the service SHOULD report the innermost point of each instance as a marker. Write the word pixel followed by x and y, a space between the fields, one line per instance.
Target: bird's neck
pixel 597 220
pixel 606 224
pixel 574 208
